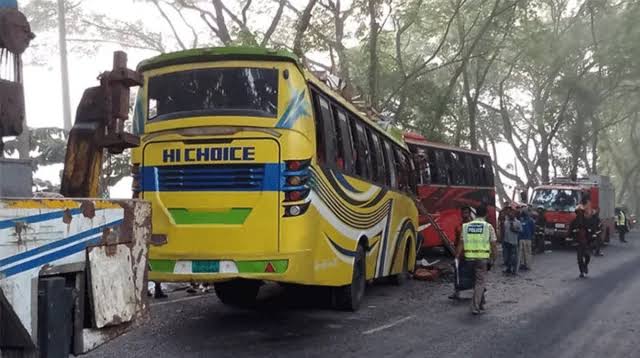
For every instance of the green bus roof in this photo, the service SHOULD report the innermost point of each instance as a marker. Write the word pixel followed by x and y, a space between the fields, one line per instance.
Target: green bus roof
pixel 217 54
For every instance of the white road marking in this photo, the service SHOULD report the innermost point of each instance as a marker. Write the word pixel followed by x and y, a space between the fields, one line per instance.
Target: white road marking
pixel 387 326
pixel 183 299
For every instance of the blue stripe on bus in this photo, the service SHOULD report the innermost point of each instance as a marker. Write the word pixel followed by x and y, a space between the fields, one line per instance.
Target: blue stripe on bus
pixel 37 218
pixel 205 178
pixel 295 108
pixel 340 177
pixel 56 255
pixel 59 243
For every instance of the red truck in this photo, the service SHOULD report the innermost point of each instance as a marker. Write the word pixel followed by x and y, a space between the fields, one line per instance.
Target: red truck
pixel 560 198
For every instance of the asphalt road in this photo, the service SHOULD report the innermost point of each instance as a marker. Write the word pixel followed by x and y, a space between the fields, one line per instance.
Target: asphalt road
pixel 547 312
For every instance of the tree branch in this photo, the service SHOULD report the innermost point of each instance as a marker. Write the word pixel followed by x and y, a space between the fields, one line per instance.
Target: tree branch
pixel 170 23
pixel 274 23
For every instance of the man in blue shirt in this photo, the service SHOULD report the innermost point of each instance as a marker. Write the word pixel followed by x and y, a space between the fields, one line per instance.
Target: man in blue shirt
pixel 525 238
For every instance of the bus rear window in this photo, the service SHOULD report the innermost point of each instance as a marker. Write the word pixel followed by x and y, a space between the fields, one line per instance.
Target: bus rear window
pixel 249 92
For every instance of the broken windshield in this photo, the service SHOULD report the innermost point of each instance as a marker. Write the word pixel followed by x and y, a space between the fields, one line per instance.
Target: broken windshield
pixel 556 199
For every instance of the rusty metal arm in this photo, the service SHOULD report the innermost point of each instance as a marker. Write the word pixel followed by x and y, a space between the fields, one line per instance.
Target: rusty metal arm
pixel 99 125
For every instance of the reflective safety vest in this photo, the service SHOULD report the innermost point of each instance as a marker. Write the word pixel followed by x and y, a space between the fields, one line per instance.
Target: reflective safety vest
pixel 622 220
pixel 476 238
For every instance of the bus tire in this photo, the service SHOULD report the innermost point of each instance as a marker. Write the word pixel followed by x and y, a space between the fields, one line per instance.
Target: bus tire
pixel 241 293
pixel 402 277
pixel 349 297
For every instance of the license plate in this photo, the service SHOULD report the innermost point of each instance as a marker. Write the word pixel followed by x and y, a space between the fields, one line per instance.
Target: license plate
pixel 560 226
pixel 202 266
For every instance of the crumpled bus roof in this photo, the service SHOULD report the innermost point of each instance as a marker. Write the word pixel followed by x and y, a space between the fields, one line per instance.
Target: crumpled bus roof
pixel 216 54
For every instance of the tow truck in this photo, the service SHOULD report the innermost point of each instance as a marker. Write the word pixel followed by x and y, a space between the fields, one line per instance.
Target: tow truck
pixel 73 268
pixel 561 197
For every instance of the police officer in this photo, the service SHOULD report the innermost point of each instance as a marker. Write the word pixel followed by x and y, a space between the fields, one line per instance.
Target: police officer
pixel 478 245
pixel 621 224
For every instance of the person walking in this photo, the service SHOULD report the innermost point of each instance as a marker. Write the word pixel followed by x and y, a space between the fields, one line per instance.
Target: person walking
pixel 540 232
pixel 465 213
pixel 478 247
pixel 595 232
pixel 621 224
pixel 579 233
pixel 525 237
pixel 512 228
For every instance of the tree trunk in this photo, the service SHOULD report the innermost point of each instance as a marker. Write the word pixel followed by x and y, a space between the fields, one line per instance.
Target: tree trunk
pixel 595 123
pixel 373 52
pixel 343 61
pixel 471 109
pixel 301 28
pixel 543 159
pixel 64 66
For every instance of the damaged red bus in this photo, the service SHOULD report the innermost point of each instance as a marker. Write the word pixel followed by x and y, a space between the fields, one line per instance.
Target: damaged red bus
pixel 450 178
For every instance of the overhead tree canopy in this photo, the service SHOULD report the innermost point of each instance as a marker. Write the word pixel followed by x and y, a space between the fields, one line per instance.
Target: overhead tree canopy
pixel 554 80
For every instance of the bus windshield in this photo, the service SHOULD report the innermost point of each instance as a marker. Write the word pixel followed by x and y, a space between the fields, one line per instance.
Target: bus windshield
pixel 251 92
pixel 556 199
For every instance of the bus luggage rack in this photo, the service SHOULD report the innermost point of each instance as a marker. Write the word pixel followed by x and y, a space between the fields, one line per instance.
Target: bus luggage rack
pixel 231 177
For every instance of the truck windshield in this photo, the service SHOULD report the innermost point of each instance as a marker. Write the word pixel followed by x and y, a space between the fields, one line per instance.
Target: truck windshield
pixel 556 199
pixel 251 92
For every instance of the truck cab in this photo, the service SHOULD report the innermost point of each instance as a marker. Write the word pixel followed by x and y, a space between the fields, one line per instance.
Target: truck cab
pixel 561 197
pixel 559 203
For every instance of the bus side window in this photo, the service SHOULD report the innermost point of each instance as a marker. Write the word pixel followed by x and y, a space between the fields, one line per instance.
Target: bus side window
pixel 433 166
pixel 443 167
pixel 421 166
pixel 485 172
pixel 471 170
pixel 383 177
pixel 346 159
pixel 373 160
pixel 452 160
pixel 362 147
pixel 325 137
pixel 460 172
pixel 391 165
pixel 402 169
pixel 412 174
pixel 490 179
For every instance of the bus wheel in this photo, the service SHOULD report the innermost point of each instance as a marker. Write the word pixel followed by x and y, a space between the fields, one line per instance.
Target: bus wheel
pixel 401 278
pixel 237 292
pixel 349 297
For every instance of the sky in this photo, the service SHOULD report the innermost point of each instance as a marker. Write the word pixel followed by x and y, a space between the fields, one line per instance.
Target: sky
pixel 43 86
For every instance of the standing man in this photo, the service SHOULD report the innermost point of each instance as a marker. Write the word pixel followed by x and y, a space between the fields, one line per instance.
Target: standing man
pixel 579 232
pixel 621 224
pixel 478 247
pixel 466 217
pixel 540 233
pixel 501 217
pixel 525 237
pixel 595 232
pixel 511 228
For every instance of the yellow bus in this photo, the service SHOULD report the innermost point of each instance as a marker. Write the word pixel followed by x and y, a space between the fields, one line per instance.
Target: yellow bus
pixel 257 171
